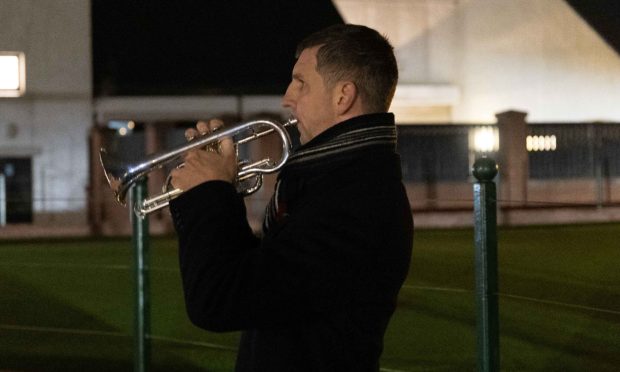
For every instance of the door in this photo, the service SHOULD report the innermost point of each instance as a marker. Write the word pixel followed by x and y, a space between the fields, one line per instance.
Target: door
pixel 18 189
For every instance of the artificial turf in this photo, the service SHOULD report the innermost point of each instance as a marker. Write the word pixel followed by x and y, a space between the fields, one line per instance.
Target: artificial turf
pixel 67 305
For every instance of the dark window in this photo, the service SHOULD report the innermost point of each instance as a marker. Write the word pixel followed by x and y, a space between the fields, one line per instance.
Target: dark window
pixel 18 187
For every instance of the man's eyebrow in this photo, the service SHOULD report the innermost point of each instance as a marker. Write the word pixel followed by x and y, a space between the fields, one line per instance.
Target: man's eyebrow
pixel 297 76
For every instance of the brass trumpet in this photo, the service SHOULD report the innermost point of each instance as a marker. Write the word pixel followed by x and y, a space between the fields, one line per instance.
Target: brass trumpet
pixel 122 175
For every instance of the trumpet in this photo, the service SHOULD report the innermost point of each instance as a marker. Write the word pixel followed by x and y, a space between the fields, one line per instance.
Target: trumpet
pixel 122 175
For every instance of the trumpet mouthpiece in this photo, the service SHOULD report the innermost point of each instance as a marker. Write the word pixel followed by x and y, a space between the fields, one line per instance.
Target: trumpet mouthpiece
pixel 290 122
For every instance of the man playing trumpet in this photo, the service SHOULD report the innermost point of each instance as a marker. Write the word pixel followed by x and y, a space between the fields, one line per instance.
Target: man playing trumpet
pixel 316 291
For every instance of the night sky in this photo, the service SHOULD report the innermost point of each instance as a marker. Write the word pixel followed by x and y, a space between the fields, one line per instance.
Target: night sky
pixel 603 16
pixel 188 47
pixel 157 47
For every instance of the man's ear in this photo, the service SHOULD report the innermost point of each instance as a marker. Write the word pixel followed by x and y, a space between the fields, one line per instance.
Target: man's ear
pixel 346 97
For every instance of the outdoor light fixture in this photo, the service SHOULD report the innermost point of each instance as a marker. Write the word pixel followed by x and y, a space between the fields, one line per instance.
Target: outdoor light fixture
pixel 541 143
pixel 12 74
pixel 484 139
pixel 122 127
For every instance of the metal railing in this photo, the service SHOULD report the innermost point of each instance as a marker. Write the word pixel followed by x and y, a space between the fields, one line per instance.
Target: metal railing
pixel 444 153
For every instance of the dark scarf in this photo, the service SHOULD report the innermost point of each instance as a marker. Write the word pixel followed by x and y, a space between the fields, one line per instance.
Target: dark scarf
pixel 337 146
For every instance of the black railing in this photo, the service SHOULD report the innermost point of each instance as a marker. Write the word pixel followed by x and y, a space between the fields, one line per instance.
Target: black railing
pixel 436 153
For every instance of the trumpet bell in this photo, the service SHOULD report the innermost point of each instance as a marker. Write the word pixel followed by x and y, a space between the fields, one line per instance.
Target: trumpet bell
pixel 114 171
pixel 122 175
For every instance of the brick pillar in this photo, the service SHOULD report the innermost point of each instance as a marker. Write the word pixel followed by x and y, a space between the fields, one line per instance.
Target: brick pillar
pixel 513 159
pixel 96 184
pixel 153 143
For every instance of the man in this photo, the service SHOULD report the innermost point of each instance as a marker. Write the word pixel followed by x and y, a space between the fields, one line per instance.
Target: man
pixel 316 292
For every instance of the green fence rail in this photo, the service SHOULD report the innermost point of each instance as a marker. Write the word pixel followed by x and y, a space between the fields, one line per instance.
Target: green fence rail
pixel 485 236
pixel 140 240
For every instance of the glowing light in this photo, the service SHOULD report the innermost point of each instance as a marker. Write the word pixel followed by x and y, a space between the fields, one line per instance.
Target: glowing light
pixel 122 127
pixel 484 139
pixel 9 72
pixel 541 143
pixel 12 74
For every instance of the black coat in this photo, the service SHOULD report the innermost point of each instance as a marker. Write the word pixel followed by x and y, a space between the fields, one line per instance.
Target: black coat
pixel 317 291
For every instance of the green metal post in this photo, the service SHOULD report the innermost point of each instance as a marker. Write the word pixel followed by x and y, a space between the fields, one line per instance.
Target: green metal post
pixel 140 240
pixel 485 235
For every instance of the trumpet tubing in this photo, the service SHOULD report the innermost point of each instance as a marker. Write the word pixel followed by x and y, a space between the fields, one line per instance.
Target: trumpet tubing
pixel 122 175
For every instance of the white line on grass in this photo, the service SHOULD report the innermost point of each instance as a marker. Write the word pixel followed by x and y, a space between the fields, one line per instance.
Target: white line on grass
pixel 443 289
pixel 89 332
pixel 92 332
pixel 575 306
pixel 429 288
pixel 420 369
pixel 517 297
pixel 193 343
pixel 79 266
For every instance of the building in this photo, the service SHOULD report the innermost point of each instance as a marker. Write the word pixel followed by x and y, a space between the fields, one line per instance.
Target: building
pixel 462 62
pixel 44 129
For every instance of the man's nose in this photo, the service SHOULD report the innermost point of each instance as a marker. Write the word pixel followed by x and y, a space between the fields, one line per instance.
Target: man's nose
pixel 287 99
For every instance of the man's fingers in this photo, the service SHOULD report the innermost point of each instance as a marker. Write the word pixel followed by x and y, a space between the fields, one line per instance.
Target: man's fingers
pixel 174 174
pixel 197 156
pixel 215 124
pixel 227 148
pixel 202 127
pixel 190 134
pixel 215 161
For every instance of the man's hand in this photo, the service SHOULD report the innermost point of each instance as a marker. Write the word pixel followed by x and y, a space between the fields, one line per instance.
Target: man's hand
pixel 208 164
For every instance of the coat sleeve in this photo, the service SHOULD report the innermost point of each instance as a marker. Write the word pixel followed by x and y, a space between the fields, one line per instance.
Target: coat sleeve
pixel 322 260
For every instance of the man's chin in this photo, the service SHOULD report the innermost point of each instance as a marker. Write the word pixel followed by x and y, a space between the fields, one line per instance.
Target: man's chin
pixel 302 137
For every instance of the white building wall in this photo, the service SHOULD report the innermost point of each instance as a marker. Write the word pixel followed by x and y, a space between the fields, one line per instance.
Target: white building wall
pixel 461 60
pixel 55 114
pixel 536 56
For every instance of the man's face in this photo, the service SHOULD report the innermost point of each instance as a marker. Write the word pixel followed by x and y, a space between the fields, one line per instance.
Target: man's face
pixel 309 100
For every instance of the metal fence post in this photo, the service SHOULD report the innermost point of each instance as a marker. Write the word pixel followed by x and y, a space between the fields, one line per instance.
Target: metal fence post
pixel 485 236
pixel 140 240
pixel 2 200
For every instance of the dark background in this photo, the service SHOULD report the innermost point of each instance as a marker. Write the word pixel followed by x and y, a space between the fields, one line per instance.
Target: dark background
pixel 200 47
pixel 185 47
pixel 603 16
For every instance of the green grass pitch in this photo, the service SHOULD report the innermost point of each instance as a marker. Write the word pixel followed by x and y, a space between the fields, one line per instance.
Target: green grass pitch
pixel 67 305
